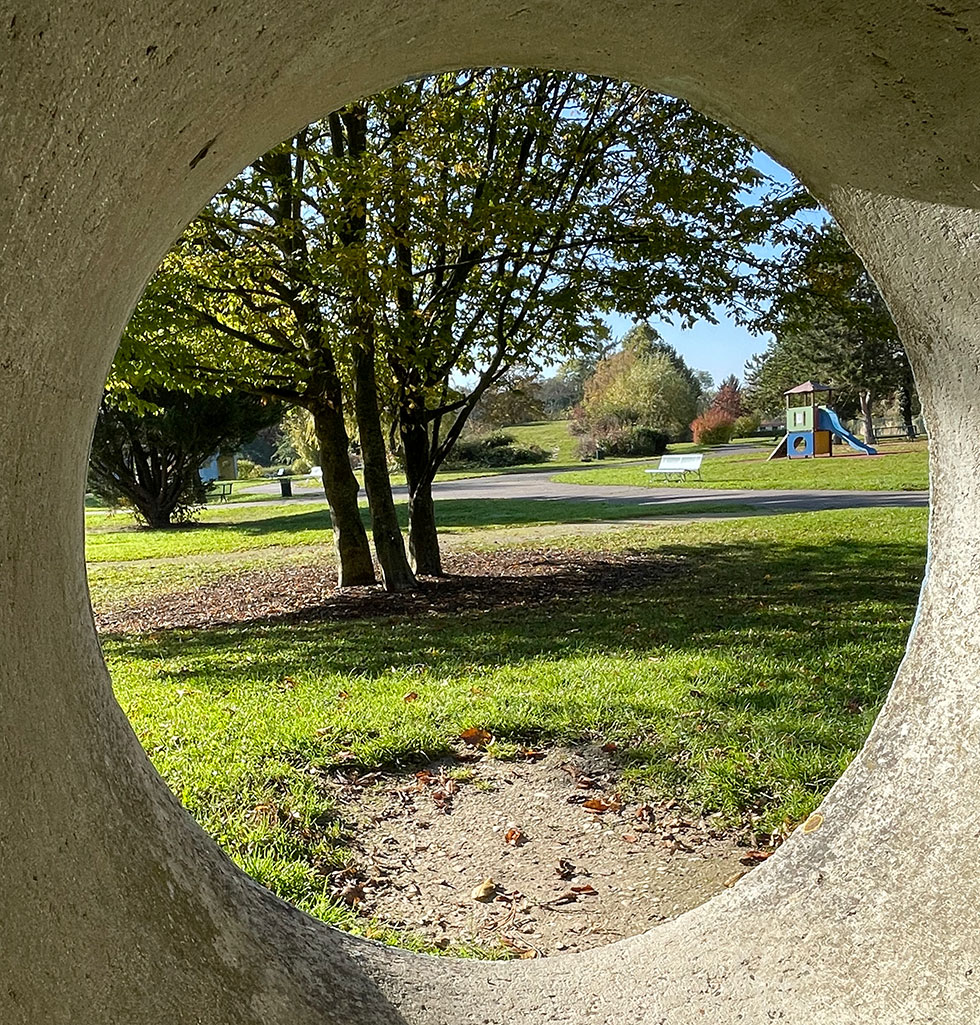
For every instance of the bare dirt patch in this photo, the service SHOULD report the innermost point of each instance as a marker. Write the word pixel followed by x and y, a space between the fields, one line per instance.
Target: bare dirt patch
pixel 540 855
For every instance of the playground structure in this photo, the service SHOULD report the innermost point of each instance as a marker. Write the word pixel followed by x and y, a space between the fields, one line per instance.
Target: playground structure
pixel 811 428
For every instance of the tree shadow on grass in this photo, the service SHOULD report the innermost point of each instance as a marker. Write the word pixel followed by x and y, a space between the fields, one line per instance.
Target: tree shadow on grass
pixel 806 609
pixel 478 512
pixel 741 675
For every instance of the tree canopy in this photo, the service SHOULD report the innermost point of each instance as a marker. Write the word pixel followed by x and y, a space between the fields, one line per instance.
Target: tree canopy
pixel 830 323
pixel 462 227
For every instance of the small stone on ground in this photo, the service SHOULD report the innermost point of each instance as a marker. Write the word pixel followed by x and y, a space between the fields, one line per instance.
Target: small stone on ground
pixel 538 855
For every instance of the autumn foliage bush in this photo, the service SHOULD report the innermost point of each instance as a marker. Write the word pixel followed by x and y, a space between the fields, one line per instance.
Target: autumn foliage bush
pixel 714 427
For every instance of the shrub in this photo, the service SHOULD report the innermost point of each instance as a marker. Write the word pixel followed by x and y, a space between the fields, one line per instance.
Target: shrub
pixel 299 467
pixel 498 439
pixel 746 425
pixel 491 452
pixel 247 469
pixel 613 439
pixel 587 448
pixel 634 441
pixel 713 428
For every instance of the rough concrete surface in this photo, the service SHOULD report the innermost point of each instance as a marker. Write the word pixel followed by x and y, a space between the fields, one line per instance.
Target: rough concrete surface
pixel 118 121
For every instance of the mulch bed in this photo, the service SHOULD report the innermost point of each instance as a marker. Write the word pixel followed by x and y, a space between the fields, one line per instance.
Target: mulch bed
pixel 475 582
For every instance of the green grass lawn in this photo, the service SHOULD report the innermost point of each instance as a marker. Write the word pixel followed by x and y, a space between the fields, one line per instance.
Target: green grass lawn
pixel 899 467
pixel 743 685
pixel 551 435
pixel 227 529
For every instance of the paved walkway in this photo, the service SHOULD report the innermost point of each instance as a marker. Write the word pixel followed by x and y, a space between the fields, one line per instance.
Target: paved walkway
pixel 537 485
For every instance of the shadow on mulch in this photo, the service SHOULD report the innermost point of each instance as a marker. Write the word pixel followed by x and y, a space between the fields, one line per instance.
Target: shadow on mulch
pixel 476 582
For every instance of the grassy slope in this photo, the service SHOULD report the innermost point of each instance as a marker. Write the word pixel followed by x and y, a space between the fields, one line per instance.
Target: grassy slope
pixel 745 685
pixel 552 435
pixel 899 468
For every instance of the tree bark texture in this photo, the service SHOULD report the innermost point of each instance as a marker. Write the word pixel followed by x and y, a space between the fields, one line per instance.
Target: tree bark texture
pixel 423 537
pixel 355 566
pixel 396 573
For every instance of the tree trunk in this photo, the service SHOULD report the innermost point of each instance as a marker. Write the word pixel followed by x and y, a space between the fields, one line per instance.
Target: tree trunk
pixel 869 430
pixel 423 538
pixel 157 517
pixel 388 541
pixel 355 567
pixel 905 392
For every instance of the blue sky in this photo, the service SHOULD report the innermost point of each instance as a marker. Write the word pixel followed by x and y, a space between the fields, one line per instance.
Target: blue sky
pixel 721 348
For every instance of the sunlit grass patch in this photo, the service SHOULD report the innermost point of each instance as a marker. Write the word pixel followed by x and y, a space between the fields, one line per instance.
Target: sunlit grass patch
pixel 742 686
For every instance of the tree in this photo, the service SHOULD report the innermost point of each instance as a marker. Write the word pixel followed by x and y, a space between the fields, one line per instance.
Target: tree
pixel 246 285
pixel 646 384
pixel 299 437
pixel 515 399
pixel 564 390
pixel 728 400
pixel 147 451
pixel 458 228
pixel 831 324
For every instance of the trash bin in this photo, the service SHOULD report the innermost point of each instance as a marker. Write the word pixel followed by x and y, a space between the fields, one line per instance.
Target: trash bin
pixel 286 487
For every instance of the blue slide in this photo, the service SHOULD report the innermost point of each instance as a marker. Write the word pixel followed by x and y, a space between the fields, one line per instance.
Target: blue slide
pixel 827 420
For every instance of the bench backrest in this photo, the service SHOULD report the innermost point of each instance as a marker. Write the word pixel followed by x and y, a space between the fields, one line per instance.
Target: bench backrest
pixel 691 462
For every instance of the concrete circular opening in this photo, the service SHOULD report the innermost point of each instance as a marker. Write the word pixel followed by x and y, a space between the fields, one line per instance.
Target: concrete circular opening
pixel 123 910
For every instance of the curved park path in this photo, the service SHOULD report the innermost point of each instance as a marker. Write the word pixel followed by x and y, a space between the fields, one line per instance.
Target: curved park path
pixel 650 501
pixel 537 485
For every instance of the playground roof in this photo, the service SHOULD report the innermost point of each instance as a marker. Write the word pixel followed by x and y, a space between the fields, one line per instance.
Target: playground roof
pixel 808 386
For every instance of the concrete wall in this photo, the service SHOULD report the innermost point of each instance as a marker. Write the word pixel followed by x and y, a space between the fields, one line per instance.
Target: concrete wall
pixel 118 121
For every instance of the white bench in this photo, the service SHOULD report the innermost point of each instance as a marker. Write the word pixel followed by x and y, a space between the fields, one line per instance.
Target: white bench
pixel 679 466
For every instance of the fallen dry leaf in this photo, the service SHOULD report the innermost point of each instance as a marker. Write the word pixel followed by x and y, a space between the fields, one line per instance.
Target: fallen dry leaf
pixel 485 892
pixel 443 797
pixel 610 747
pixel 572 895
pixel 519 951
pixel 754 857
pixel 475 737
pixel 598 804
pixel 410 697
pixel 565 869
pixel 530 754
pixel 514 836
